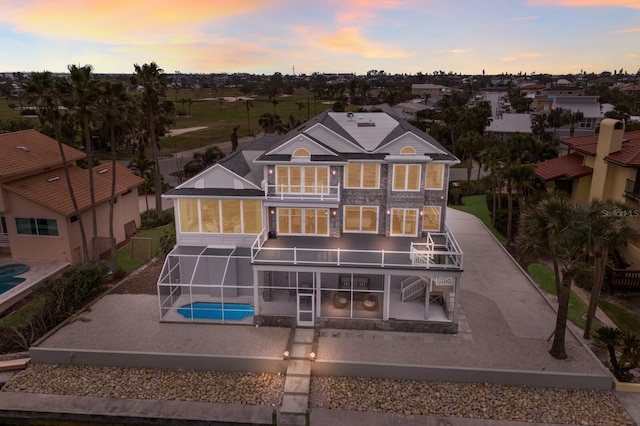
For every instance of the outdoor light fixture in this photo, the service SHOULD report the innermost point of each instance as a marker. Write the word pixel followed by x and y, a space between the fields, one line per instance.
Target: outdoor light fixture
pixel 421 213
pixel 333 172
pixel 285 355
pixel 333 213
pixel 270 171
pixel 312 356
pixel 272 211
pixel 388 211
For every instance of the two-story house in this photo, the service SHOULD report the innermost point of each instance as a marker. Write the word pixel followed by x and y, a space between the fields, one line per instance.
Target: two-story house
pixel 338 223
pixel 602 166
pixel 37 217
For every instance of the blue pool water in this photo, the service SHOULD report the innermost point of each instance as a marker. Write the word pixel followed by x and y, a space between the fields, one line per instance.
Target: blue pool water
pixel 9 284
pixel 202 310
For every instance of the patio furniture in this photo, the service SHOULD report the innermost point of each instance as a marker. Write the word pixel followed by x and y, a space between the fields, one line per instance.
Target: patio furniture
pixel 340 300
pixel 370 302
pixel 361 283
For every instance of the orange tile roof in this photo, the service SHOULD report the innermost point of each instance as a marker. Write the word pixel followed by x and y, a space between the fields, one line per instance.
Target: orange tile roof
pixel 628 156
pixel 49 189
pixel 28 152
pixel 569 166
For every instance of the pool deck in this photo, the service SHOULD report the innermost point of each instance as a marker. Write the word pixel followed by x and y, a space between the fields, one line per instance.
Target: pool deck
pixel 38 271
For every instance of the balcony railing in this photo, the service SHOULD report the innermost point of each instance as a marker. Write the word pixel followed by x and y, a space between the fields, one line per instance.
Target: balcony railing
pixel 303 192
pixel 4 239
pixel 632 190
pixel 441 251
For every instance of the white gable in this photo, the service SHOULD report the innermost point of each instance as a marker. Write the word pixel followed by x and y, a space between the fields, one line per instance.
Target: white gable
pixel 332 139
pixel 410 139
pixel 218 176
pixel 301 141
pixel 368 128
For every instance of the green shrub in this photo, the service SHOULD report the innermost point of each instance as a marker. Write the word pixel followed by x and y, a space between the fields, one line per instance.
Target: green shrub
pixel 167 241
pixel 56 298
pixel 151 219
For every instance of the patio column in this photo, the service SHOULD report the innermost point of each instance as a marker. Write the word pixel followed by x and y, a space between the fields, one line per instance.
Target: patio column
pixel 256 292
pixel 318 289
pixel 455 300
pixel 387 297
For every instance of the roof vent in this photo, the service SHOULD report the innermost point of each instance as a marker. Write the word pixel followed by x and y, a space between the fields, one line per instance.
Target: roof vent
pixel 53 179
pixel 102 171
pixel 23 148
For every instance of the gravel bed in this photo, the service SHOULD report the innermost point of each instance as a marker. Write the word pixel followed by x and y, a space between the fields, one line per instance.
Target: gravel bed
pixel 147 383
pixel 466 400
pixel 469 400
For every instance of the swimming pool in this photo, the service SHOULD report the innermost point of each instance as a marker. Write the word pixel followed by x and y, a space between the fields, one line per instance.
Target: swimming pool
pixel 9 271
pixel 10 283
pixel 203 310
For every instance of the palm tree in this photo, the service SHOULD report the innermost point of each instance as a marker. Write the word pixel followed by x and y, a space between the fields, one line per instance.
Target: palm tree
pixel 494 158
pixel 471 143
pixel 556 119
pixel 248 105
pixel 559 228
pixel 608 232
pixel 209 157
pixel 269 122
pixel 153 82
pixel 113 105
pixel 80 96
pixel 44 90
pixel 572 118
pixel 145 169
pixel 539 125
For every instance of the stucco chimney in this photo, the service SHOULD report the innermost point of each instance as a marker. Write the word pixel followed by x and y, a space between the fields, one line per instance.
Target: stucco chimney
pixel 610 137
pixel 609 141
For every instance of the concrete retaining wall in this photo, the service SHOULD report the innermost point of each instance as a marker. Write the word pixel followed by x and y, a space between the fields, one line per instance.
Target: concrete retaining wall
pixel 461 375
pixel 323 368
pixel 157 360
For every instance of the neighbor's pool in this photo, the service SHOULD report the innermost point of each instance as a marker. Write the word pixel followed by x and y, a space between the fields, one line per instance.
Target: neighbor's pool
pixel 9 284
pixel 203 310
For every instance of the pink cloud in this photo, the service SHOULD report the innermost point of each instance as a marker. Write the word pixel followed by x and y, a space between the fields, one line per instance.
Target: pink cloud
pixel 635 4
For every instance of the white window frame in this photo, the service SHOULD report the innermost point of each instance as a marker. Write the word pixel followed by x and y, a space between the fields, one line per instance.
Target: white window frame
pixel 404 215
pixel 361 186
pixel 406 178
pixel 359 230
pixel 303 218
pixel 426 174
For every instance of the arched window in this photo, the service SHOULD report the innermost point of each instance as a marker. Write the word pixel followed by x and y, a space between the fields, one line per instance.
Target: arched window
pixel 408 150
pixel 301 153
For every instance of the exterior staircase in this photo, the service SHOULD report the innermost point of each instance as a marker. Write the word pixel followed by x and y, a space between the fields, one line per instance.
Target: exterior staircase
pixel 412 288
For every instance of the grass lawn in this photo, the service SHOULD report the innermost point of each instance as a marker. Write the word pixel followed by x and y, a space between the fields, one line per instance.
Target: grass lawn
pixel 219 117
pixel 477 206
pixel 544 276
pixel 625 319
pixel 126 262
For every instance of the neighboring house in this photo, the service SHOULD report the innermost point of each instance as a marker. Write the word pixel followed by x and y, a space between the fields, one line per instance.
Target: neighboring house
pixel 340 223
pixel 411 110
pixel 602 166
pixel 589 106
pixel 434 92
pixel 37 217
pixel 505 125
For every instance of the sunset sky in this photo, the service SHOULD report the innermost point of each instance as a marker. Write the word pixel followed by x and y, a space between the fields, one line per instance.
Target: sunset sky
pixel 265 36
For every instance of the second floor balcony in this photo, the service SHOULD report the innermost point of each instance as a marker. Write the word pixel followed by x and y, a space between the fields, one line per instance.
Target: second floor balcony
pixel 632 190
pixel 303 192
pixel 439 251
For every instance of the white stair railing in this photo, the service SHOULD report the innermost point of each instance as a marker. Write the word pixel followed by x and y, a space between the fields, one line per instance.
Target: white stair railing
pixel 412 288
